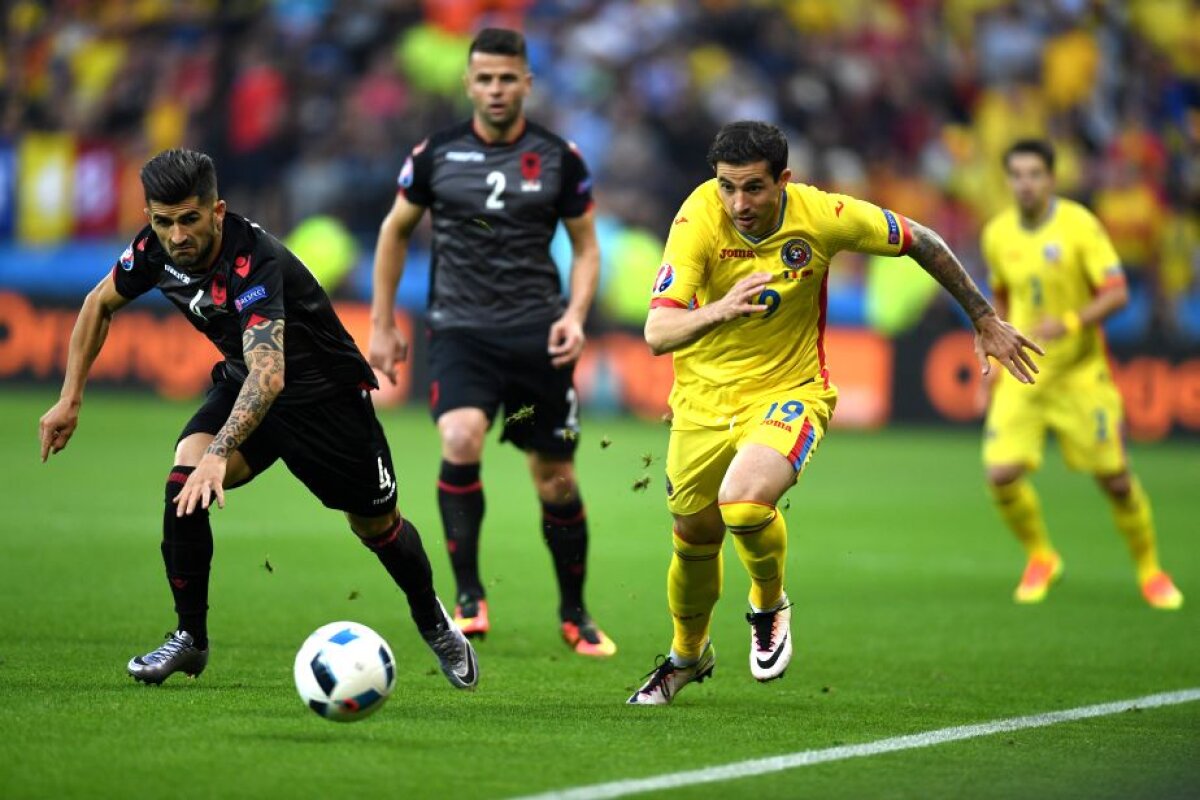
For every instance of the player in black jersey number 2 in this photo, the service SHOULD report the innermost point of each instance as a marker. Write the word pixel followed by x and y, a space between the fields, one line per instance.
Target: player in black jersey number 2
pixel 501 333
pixel 292 386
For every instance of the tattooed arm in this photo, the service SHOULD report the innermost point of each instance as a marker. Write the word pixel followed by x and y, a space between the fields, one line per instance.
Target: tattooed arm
pixel 993 336
pixel 262 345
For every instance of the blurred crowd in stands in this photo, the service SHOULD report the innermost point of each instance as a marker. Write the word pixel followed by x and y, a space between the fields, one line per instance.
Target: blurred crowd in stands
pixel 310 106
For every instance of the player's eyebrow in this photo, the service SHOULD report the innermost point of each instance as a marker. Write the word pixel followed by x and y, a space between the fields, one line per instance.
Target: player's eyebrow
pixel 165 219
pixel 749 183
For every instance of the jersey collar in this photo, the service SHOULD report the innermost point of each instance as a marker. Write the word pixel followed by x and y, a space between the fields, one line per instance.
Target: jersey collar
pixel 1051 209
pixel 778 223
pixel 524 126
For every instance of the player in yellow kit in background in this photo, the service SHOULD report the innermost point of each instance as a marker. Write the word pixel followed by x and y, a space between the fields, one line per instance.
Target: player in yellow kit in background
pixel 740 301
pixel 1053 268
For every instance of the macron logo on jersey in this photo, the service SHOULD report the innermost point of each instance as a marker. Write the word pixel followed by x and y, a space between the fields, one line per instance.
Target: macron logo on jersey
pixel 250 297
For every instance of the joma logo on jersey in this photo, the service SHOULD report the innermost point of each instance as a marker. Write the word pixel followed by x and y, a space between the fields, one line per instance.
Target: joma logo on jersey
pixel 736 252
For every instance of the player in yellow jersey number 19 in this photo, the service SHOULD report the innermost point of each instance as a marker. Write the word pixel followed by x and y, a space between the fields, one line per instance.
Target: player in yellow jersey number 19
pixel 740 302
pixel 1053 268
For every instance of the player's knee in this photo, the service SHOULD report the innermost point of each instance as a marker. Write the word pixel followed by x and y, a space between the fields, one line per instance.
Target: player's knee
pixel 554 481
pixel 1116 486
pixel 747 516
pixel 462 444
pixel 702 527
pixel 372 527
pixel 1004 475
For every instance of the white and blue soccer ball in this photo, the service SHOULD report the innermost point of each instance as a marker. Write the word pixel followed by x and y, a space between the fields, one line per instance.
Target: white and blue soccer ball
pixel 345 671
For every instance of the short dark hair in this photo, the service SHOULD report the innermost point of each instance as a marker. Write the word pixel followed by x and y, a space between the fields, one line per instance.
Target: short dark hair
pixel 1036 147
pixel 173 176
pixel 746 142
pixel 499 41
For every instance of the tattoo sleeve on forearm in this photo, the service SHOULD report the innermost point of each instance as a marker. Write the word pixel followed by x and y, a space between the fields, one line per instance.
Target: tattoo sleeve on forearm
pixel 262 345
pixel 932 253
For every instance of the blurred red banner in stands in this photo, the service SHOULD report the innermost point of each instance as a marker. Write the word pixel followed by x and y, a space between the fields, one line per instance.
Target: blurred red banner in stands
pixel 921 378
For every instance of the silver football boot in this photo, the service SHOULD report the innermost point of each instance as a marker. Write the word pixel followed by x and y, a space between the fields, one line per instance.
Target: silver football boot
pixel 177 654
pixel 454 653
pixel 667 678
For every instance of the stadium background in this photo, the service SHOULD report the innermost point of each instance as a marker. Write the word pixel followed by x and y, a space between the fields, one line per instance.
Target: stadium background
pixel 310 106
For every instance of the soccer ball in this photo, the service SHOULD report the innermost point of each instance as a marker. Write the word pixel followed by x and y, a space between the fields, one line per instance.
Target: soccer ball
pixel 345 671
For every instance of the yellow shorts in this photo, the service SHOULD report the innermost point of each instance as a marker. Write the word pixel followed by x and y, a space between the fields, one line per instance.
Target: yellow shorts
pixel 792 422
pixel 1084 409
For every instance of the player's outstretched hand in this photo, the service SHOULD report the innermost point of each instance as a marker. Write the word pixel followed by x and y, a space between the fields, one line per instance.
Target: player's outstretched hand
pixel 388 348
pixel 205 484
pixel 566 341
pixel 996 338
pixel 56 426
pixel 740 299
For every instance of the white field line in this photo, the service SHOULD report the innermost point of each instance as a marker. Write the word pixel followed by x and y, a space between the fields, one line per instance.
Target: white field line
pixel 807 758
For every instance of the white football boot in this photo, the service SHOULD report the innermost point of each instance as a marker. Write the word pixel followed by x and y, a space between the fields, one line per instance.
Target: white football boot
pixel 770 641
pixel 667 678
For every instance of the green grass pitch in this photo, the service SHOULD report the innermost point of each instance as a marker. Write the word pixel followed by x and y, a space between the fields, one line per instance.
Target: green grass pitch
pixel 899 569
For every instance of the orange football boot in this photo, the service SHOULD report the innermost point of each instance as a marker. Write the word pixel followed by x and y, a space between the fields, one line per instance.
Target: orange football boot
pixel 587 639
pixel 1040 573
pixel 471 617
pixel 1160 592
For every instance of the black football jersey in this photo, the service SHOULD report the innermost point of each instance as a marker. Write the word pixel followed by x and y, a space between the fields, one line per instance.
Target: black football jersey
pixel 255 278
pixel 495 209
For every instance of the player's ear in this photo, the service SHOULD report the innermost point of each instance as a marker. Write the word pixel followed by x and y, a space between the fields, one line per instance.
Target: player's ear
pixel 785 176
pixel 219 209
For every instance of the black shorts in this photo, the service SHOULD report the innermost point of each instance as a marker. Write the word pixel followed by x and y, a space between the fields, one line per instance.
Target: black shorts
pixel 335 446
pixel 510 369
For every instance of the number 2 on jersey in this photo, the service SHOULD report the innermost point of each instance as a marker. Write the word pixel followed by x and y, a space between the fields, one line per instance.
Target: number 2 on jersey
pixel 497 181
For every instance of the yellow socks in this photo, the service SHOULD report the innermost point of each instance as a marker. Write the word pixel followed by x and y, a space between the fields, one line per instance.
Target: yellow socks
pixel 760 535
pixel 1022 511
pixel 693 588
pixel 1136 523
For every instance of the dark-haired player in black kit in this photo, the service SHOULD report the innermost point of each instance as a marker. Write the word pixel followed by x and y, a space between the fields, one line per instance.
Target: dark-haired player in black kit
pixel 500 331
pixel 293 386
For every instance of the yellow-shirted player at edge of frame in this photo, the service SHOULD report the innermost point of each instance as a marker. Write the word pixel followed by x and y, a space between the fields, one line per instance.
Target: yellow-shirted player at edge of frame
pixel 740 301
pixel 1053 268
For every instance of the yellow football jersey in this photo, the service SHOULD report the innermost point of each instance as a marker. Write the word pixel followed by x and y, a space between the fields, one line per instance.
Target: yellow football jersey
pixel 1049 271
pixel 726 370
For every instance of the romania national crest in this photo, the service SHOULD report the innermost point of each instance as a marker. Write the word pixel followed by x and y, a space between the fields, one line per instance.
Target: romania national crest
pixel 796 253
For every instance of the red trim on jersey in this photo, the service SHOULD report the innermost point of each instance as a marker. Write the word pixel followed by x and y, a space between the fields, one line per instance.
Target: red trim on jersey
pixel 822 302
pixel 666 302
pixel 905 234
pixel 804 440
pixel 477 486
pixel 255 319
pixel 178 477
